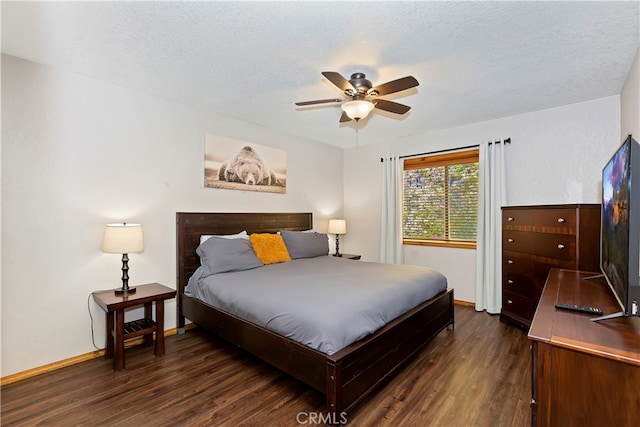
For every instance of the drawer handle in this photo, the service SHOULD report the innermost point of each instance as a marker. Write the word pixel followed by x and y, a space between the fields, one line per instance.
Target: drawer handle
pixel 509 301
pixel 511 219
pixel 560 246
pixel 509 261
pixel 561 220
pixel 509 281
pixel 510 240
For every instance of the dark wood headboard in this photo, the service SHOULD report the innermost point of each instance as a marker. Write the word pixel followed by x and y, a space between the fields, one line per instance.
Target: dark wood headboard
pixel 190 226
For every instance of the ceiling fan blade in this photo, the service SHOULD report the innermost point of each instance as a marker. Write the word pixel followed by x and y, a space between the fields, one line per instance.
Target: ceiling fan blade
pixel 395 86
pixel 344 118
pixel 335 78
pixel 319 101
pixel 390 106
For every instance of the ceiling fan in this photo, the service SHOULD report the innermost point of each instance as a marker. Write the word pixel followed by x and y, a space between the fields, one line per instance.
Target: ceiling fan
pixel 363 96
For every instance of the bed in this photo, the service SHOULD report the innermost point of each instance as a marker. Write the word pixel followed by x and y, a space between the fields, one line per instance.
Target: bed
pixel 346 376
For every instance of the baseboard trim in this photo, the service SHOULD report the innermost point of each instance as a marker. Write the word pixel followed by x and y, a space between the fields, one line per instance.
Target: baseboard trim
pixel 465 303
pixel 9 379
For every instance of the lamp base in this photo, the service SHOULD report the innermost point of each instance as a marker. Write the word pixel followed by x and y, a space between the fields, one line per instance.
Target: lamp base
pixel 125 291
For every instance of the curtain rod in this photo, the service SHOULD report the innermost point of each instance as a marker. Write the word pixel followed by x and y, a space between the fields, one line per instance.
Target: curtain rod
pixel 506 141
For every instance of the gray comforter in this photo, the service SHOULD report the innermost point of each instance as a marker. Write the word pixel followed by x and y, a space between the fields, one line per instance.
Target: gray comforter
pixel 325 303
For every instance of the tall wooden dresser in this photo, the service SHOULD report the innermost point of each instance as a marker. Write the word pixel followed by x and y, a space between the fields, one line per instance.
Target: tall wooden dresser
pixel 536 239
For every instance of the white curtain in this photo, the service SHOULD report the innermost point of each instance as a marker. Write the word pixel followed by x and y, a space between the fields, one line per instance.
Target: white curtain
pixel 491 197
pixel 391 229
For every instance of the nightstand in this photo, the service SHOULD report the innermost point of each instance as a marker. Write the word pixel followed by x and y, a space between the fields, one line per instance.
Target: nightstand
pixel 350 256
pixel 117 331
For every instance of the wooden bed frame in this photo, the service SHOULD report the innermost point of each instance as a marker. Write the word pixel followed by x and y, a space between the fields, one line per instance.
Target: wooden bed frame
pixel 346 376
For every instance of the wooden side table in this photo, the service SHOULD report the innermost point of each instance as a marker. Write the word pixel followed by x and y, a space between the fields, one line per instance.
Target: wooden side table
pixel 117 331
pixel 349 256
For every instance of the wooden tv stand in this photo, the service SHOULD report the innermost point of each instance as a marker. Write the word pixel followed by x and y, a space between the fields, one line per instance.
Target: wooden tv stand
pixel 584 373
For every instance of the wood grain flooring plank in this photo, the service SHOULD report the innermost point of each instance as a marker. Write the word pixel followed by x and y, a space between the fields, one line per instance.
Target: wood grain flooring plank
pixel 479 374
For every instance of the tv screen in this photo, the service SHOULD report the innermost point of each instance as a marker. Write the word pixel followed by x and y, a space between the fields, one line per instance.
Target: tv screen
pixel 620 240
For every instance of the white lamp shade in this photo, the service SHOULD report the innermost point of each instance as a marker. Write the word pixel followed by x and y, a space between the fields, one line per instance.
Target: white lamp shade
pixel 358 109
pixel 337 226
pixel 122 239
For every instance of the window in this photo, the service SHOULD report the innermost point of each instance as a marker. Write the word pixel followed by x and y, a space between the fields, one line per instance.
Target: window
pixel 440 200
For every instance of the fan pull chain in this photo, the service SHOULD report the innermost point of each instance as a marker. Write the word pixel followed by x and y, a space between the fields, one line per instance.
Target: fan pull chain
pixel 357 127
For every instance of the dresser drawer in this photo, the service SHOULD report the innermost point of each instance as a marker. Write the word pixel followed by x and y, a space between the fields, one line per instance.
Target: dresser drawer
pixel 523 285
pixel 559 246
pixel 526 274
pixel 518 305
pixel 540 219
pixel 532 265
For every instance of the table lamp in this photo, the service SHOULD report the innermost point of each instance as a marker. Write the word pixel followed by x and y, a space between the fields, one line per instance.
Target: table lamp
pixel 123 239
pixel 337 227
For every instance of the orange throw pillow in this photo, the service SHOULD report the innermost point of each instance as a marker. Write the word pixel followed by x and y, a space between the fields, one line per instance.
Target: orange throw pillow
pixel 269 248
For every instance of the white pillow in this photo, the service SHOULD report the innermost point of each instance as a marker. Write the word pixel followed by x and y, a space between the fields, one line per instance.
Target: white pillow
pixel 241 235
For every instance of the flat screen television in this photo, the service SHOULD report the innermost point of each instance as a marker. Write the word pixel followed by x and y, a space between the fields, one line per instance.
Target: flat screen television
pixel 620 227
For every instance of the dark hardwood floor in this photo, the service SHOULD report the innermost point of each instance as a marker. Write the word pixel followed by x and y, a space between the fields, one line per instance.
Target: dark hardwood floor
pixel 476 375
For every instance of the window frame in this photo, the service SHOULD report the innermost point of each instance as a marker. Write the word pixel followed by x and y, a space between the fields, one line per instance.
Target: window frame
pixel 435 160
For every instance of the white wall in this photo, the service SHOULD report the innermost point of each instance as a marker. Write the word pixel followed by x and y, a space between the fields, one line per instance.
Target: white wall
pixel 630 102
pixel 556 156
pixel 78 153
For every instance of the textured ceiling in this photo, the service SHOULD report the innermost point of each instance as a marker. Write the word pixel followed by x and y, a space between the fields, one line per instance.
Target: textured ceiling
pixel 475 61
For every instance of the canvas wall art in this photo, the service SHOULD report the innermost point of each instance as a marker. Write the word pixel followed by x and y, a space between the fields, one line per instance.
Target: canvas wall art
pixel 239 165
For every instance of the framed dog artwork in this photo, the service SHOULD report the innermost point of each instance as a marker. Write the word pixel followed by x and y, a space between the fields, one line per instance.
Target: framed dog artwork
pixel 238 165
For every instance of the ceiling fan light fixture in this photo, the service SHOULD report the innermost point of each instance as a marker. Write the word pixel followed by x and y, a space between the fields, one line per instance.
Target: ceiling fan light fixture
pixel 357 109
